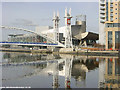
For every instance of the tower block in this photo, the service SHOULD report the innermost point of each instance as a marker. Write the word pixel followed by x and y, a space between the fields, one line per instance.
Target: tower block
pixel 68 37
pixel 56 26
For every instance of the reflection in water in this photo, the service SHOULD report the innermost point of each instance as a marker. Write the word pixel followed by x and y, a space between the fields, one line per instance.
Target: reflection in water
pixel 71 70
pixel 109 73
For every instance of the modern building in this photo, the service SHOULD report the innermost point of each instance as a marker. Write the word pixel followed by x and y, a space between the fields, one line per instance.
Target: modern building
pixel 109 27
pixel 79 35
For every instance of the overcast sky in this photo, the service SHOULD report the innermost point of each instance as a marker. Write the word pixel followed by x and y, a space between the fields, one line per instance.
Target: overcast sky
pixel 30 14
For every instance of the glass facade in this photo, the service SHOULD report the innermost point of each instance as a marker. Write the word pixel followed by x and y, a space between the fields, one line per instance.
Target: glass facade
pixel 117 39
pixel 106 10
pixel 32 38
pixel 109 39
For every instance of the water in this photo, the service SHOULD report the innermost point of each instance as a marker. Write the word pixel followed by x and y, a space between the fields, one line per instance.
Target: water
pixel 59 71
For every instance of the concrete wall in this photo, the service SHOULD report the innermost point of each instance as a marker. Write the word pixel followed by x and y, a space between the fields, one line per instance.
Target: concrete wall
pixel 102 34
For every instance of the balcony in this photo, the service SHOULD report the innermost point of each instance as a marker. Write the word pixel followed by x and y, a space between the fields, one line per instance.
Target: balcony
pixel 102 8
pixel 102 16
pixel 102 12
pixel 102 21
pixel 102 3
pixel 111 2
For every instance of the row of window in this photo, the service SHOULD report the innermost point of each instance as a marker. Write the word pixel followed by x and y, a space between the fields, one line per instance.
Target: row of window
pixel 112 9
pixel 106 10
pixel 110 39
pixel 112 25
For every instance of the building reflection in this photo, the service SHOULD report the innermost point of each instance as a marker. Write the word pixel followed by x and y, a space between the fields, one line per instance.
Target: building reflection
pixel 26 57
pixel 110 73
pixel 67 66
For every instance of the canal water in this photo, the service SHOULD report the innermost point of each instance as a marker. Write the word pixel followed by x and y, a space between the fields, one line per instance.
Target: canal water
pixel 59 71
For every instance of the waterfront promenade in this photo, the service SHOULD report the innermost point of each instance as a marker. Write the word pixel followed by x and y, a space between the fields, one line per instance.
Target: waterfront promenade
pixel 65 51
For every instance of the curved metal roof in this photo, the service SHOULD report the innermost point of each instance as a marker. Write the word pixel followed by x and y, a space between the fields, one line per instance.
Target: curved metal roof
pixel 87 36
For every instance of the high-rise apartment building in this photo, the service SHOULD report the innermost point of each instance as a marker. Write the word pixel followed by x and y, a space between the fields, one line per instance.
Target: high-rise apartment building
pixel 109 23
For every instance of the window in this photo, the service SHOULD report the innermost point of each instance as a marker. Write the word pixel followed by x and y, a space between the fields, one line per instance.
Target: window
pixel 117 39
pixel 116 4
pixel 108 25
pixel 115 25
pixel 115 18
pixel 109 39
pixel 116 9
pixel 116 13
